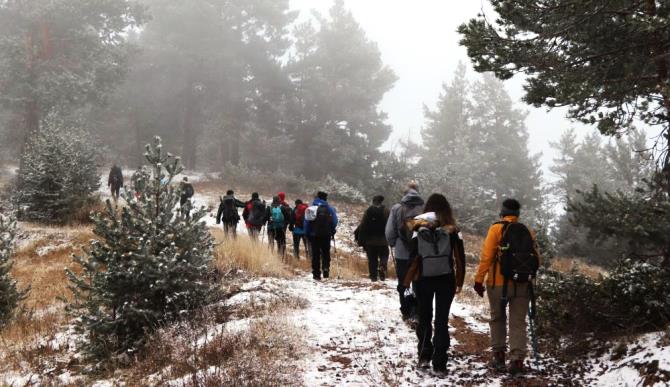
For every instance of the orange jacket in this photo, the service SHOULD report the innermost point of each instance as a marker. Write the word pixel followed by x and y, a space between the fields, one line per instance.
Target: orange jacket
pixel 489 255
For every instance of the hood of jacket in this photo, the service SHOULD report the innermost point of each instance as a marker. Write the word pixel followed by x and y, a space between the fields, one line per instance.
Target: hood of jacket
pixel 412 198
pixel 429 220
pixel 320 202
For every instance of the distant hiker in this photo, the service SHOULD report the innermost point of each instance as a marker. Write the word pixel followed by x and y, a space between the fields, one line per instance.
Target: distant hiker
pixel 296 226
pixel 320 227
pixel 509 261
pixel 254 215
pixel 371 235
pixel 399 238
pixel 437 268
pixel 186 193
pixel 278 219
pixel 286 211
pixel 228 213
pixel 115 181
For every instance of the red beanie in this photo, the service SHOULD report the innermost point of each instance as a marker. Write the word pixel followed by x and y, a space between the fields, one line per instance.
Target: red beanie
pixel 282 196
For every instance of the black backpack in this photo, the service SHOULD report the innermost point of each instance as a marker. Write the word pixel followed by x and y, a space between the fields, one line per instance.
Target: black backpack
pixel 188 191
pixel 375 224
pixel 518 260
pixel 257 215
pixel 323 223
pixel 230 211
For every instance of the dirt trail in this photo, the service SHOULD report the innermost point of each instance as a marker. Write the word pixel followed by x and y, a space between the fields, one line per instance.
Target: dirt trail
pixel 357 338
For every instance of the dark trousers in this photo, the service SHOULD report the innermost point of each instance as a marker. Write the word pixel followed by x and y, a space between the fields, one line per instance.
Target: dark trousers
pixel 271 237
pixel 279 236
pixel 441 289
pixel 254 231
pixel 116 189
pixel 378 257
pixel 297 239
pixel 320 256
pixel 407 304
pixel 230 229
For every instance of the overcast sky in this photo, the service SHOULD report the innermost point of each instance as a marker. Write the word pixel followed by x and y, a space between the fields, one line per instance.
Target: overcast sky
pixel 418 39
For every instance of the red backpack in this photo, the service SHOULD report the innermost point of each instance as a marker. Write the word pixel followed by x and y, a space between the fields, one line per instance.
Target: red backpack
pixel 300 214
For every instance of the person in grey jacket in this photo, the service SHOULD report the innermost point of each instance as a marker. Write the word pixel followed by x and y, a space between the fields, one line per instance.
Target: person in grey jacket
pixel 399 239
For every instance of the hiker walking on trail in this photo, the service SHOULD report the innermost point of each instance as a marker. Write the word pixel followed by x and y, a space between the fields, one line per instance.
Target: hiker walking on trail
pixel 278 218
pixel 399 238
pixel 296 226
pixel 437 268
pixel 509 262
pixel 186 193
pixel 115 181
pixel 254 216
pixel 371 235
pixel 228 213
pixel 320 227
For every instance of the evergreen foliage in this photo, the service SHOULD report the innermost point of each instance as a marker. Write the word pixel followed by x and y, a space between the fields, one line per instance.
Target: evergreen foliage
pixel 58 172
pixel 151 265
pixel 10 295
pixel 608 61
pixel 60 55
pixel 477 152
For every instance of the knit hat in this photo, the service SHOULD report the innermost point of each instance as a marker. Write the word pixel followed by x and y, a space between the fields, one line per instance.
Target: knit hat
pixel 510 207
pixel 322 195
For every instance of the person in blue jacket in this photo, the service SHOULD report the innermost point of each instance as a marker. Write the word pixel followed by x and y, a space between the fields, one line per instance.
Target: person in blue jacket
pixel 320 227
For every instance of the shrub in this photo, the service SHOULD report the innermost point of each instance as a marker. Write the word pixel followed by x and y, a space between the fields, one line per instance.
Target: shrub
pixel 150 266
pixel 632 298
pixel 10 295
pixel 58 173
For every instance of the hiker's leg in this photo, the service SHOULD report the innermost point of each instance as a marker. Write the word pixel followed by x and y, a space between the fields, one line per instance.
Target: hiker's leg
pixel 371 252
pixel 424 295
pixel 325 254
pixel 444 294
pixel 296 245
pixel 316 258
pixel 383 262
pixel 401 266
pixel 281 241
pixel 518 309
pixel 308 246
pixel 497 323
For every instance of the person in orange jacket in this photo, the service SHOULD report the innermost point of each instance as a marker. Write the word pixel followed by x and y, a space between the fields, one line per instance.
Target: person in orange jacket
pixel 489 270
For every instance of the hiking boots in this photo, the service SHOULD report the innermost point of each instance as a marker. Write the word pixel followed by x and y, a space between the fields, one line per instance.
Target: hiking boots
pixel 498 361
pixel 516 367
pixel 440 369
pixel 326 274
pixel 424 364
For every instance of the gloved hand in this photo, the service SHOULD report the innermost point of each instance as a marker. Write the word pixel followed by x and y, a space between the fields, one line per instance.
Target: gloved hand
pixel 479 288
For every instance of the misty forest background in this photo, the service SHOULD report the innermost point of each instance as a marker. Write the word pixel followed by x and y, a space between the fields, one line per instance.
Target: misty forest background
pixel 253 91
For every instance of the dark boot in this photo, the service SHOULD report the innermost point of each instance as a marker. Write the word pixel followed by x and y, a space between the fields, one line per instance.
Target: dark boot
pixel 516 367
pixel 498 361
pixel 440 368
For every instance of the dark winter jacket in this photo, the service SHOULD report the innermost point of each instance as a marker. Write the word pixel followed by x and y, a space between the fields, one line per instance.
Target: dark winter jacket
pixel 370 234
pixel 186 192
pixel 246 214
pixel 458 251
pixel 308 224
pixel 410 206
pixel 236 204
pixel 115 177
pixel 285 210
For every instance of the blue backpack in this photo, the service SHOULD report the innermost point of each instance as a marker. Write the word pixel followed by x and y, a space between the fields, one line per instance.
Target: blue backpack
pixel 276 218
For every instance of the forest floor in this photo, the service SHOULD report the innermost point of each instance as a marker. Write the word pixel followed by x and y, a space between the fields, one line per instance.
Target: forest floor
pixel 276 326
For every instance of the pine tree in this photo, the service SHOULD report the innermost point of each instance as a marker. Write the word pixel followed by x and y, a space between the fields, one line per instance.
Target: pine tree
pixel 149 266
pixel 58 172
pixel 10 295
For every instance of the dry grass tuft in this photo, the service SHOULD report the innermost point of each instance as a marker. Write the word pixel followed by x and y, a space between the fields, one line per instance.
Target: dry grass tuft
pixel 40 265
pixel 194 353
pixel 566 265
pixel 244 254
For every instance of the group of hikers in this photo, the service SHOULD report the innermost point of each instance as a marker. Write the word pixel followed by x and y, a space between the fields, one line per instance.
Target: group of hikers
pixel 429 256
pixel 313 226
